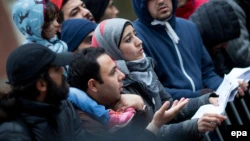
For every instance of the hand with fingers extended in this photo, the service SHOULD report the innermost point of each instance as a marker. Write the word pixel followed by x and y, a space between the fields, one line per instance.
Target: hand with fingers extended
pixel 208 122
pixel 164 115
pixel 243 87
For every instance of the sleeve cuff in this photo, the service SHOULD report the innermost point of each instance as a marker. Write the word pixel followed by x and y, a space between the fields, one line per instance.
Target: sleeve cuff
pixel 151 127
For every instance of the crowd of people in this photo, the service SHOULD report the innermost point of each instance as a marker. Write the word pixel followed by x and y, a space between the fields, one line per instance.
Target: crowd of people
pixel 82 73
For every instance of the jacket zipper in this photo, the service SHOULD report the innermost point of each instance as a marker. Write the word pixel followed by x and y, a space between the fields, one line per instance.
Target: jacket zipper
pixel 181 63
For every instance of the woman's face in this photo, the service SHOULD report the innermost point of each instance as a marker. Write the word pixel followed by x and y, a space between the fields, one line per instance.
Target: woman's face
pixel 131 45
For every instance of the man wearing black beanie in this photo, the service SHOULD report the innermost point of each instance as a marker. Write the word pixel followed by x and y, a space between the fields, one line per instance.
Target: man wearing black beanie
pixel 101 9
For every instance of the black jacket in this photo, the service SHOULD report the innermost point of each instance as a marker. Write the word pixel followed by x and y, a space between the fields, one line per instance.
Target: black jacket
pixel 217 24
pixel 43 122
pixel 15 130
pixel 245 5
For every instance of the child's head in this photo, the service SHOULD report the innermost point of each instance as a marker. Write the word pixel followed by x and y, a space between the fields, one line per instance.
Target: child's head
pixel 36 19
pixel 50 25
pixel 119 39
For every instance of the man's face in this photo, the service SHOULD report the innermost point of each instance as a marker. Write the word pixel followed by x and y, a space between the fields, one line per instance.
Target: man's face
pixel 86 43
pixel 76 9
pixel 110 90
pixel 160 9
pixel 57 87
pixel 111 11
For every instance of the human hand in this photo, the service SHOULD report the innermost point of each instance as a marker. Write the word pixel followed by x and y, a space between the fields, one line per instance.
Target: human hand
pixel 129 100
pixel 214 100
pixel 208 122
pixel 243 87
pixel 163 115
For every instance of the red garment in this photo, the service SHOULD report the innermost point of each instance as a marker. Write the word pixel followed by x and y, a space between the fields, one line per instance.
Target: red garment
pixel 189 8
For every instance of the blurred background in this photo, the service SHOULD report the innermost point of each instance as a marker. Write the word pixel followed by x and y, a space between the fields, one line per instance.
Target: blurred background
pixel 10 37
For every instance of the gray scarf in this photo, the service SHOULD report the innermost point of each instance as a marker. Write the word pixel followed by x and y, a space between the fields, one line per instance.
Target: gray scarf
pixel 140 71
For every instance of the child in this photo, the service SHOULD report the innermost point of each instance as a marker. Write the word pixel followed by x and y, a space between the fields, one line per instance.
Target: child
pixel 37 20
pixel 38 23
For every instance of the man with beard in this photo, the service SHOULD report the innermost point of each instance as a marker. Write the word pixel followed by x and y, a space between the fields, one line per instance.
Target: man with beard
pixel 72 9
pixel 35 74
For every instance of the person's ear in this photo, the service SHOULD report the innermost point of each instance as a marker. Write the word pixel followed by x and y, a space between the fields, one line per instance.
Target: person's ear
pixel 41 85
pixel 92 85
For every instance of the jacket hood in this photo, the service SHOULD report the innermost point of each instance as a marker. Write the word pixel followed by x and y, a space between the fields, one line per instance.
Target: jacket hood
pixel 28 16
pixel 141 10
pixel 221 14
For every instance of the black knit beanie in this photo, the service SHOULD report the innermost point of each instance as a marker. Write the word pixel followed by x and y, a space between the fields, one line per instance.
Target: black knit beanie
pixel 96 7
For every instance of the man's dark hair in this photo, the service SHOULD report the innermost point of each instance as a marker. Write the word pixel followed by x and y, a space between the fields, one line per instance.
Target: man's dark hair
pixel 60 17
pixel 29 90
pixel 51 13
pixel 8 107
pixel 85 67
pixel 54 95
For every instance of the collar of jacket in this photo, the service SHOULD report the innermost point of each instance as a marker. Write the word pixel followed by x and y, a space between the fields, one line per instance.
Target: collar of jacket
pixel 38 108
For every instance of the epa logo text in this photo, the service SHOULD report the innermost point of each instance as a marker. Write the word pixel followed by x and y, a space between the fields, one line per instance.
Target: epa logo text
pixel 239 133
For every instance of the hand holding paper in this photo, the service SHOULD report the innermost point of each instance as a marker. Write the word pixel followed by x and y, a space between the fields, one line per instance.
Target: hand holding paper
pixel 208 122
pixel 227 91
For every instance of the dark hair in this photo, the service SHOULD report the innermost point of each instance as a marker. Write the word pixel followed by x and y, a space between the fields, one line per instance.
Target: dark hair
pixel 50 14
pixel 8 107
pixel 60 18
pixel 29 91
pixel 123 29
pixel 85 67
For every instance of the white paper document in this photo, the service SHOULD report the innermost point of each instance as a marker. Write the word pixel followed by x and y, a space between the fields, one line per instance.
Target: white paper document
pixel 209 108
pixel 226 91
pixel 240 73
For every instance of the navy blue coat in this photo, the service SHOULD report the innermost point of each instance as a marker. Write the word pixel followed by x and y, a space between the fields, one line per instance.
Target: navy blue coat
pixel 183 69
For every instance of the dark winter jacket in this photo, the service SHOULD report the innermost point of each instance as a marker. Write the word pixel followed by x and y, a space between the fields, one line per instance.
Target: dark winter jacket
pixel 15 130
pixel 184 68
pixel 239 48
pixel 217 24
pixel 245 5
pixel 44 122
pixel 135 130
